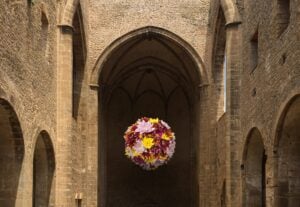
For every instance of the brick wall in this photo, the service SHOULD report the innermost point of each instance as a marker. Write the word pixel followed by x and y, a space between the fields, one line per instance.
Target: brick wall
pixel 27 74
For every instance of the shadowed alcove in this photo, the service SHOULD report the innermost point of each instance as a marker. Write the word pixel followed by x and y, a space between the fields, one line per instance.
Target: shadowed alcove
pixel 148 75
pixel 288 165
pixel 11 154
pixel 79 58
pixel 43 172
pixel 219 63
pixel 254 171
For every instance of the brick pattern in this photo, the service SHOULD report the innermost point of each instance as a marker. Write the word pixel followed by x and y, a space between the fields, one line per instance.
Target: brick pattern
pixel 274 80
pixel 36 78
pixel 11 154
pixel 27 77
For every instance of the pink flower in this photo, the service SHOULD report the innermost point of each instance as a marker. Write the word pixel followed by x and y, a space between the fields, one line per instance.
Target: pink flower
pixel 165 124
pixel 138 147
pixel 144 127
pixel 149 143
pixel 171 149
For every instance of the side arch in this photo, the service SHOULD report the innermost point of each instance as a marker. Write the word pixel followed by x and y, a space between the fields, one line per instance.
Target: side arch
pixel 287 154
pixel 43 171
pixel 147 32
pixel 254 170
pixel 11 153
pixel 280 116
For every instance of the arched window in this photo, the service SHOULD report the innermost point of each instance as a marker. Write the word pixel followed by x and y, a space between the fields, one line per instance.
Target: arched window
pixel 79 56
pixel 219 64
pixel 283 16
pixel 44 33
pixel 254 51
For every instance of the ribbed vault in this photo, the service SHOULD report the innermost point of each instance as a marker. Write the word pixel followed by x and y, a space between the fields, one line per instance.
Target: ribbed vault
pixel 150 75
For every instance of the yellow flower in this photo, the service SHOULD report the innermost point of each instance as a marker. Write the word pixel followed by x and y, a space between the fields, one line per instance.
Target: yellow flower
pixel 148 142
pixel 165 136
pixel 162 158
pixel 154 121
pixel 131 152
pixel 150 159
pixel 135 153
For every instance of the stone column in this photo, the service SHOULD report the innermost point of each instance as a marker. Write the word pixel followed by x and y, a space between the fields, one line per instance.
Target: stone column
pixel 64 192
pixel 92 173
pixel 233 136
pixel 205 137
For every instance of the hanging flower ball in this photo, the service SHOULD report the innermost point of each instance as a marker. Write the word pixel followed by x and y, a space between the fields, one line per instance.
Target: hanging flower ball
pixel 149 143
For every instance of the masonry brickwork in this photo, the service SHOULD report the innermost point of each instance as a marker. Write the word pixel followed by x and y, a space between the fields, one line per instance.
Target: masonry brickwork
pixel 57 65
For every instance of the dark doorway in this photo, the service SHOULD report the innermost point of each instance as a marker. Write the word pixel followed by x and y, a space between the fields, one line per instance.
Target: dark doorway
pixel 152 76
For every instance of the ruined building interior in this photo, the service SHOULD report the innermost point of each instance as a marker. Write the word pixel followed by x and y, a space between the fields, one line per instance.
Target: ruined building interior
pixel 225 74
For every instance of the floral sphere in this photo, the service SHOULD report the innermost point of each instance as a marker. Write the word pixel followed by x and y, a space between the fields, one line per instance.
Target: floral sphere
pixel 149 143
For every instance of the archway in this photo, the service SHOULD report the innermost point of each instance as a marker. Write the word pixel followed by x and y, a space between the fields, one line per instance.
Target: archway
pixel 11 154
pixel 148 75
pixel 254 171
pixel 43 172
pixel 288 164
pixel 79 58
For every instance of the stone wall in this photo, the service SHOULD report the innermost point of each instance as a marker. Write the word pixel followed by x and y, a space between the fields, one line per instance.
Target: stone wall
pixel 27 74
pixel 262 63
pixel 266 88
pixel 110 20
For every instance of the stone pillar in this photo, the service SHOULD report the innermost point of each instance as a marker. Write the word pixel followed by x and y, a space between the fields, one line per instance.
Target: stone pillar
pixel 204 145
pixel 233 136
pixel 92 173
pixel 64 192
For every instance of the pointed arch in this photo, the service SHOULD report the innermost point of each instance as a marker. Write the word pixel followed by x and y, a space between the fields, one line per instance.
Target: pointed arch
pixel 287 154
pixel 148 32
pixel 281 115
pixel 11 153
pixel 154 67
pixel 43 171
pixel 254 170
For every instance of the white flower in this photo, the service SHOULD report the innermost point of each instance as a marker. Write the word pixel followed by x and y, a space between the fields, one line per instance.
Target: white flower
pixel 138 147
pixel 144 127
pixel 165 124
pixel 171 149
pixel 129 152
